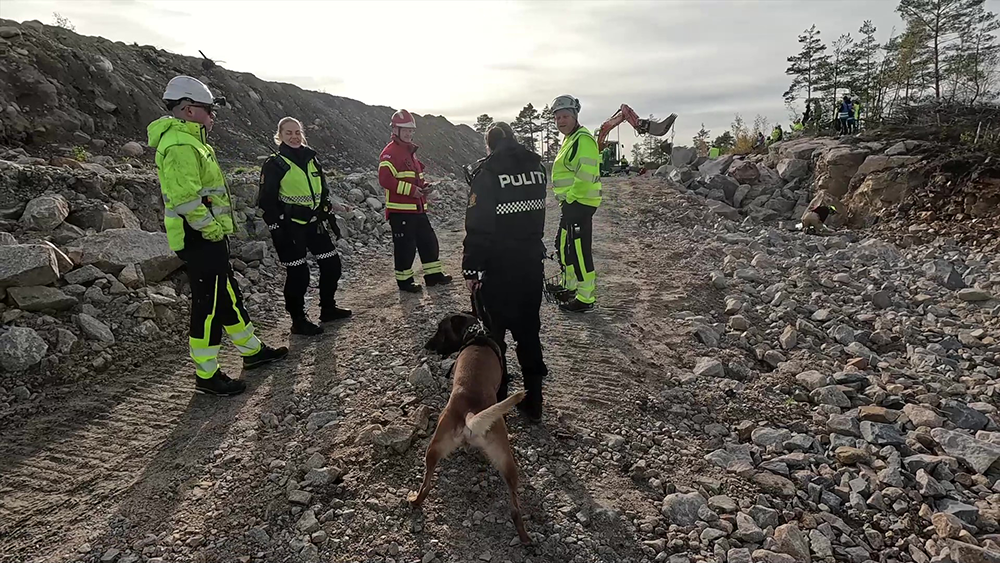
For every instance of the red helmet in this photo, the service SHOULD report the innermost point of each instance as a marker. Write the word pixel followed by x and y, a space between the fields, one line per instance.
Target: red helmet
pixel 402 118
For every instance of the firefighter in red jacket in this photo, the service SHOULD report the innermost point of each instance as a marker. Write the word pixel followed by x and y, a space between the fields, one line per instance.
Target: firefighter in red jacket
pixel 401 175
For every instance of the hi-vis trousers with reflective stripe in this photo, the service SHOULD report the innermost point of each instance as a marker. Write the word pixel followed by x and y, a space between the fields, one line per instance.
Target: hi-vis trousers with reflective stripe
pixel 576 254
pixel 216 303
pixel 412 232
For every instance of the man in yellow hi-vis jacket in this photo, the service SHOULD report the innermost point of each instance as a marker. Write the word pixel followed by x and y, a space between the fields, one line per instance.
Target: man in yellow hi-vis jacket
pixel 576 183
pixel 198 217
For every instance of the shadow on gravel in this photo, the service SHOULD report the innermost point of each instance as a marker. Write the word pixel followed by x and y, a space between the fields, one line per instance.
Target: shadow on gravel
pixel 175 472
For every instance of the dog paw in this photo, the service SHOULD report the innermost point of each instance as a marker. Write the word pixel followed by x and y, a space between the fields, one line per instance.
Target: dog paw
pixel 413 499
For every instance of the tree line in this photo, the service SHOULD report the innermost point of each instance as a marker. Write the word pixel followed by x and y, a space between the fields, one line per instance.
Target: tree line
pixel 534 129
pixel 948 53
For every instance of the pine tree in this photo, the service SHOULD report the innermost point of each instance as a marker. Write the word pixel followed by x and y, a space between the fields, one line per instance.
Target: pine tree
pixel 724 142
pixel 837 71
pixel 943 22
pixel 975 61
pixel 526 125
pixel 866 52
pixel 550 133
pixel 804 67
pixel 701 141
pixel 483 123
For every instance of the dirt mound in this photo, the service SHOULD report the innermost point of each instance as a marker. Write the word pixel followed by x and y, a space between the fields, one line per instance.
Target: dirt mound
pixel 60 87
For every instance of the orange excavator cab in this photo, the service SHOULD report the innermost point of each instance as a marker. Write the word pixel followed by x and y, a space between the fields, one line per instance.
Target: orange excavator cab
pixel 642 126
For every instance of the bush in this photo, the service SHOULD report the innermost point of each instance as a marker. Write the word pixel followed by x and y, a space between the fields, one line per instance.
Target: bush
pixel 80 154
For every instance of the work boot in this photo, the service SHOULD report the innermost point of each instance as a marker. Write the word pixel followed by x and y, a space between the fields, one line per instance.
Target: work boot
pixel 437 279
pixel 577 306
pixel 334 313
pixel 560 293
pixel 266 355
pixel 219 385
pixel 531 406
pixel 305 327
pixel 409 287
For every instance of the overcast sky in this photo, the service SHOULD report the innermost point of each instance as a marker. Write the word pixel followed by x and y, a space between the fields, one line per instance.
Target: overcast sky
pixel 704 60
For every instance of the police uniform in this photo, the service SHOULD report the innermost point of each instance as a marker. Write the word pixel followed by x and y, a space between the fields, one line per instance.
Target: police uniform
pixel 504 225
pixel 295 198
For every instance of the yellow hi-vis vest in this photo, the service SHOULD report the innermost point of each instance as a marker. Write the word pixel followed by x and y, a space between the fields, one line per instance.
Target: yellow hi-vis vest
pixel 576 170
pixel 301 187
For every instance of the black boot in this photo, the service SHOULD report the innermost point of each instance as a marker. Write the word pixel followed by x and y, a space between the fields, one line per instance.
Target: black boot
pixel 437 279
pixel 219 385
pixel 576 306
pixel 266 355
pixel 531 406
pixel 333 314
pixel 409 287
pixel 305 327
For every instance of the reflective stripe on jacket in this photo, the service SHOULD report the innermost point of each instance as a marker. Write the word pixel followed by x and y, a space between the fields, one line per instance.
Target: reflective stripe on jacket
pixel 576 169
pixel 191 182
pixel 301 187
pixel 398 171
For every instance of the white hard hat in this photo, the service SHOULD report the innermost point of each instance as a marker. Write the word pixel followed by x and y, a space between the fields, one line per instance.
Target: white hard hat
pixel 181 87
pixel 565 102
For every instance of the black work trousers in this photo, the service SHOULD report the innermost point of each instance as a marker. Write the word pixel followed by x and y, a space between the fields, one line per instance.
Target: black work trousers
pixel 413 233
pixel 292 241
pixel 512 296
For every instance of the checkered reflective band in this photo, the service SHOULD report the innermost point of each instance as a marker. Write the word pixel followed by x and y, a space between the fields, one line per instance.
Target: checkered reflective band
pixel 520 206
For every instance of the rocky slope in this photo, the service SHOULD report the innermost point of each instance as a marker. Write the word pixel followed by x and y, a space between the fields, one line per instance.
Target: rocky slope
pixel 905 189
pixel 60 87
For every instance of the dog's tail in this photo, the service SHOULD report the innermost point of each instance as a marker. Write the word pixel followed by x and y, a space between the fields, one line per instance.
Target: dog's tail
pixel 478 424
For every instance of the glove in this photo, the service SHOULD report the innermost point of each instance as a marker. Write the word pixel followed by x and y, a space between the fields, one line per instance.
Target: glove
pixel 213 232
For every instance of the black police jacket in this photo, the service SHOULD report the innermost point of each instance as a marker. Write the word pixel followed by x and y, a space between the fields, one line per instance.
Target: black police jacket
pixel 505 217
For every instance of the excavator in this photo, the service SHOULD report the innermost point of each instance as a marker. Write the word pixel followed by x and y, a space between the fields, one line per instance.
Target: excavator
pixel 641 126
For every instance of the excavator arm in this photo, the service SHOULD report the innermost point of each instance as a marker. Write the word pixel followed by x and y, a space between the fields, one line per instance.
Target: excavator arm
pixel 641 126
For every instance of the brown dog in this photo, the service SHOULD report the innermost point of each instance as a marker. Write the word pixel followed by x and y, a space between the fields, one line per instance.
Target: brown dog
pixel 472 415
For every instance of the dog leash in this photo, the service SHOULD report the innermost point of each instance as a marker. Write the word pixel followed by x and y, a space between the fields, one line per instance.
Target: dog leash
pixel 479 307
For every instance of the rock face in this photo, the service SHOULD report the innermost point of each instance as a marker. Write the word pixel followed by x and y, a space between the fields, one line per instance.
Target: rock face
pixel 45 213
pixel 27 265
pixel 114 249
pixel 836 168
pixel 21 348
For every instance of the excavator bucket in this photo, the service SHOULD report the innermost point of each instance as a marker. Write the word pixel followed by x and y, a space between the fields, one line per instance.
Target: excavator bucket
pixel 660 128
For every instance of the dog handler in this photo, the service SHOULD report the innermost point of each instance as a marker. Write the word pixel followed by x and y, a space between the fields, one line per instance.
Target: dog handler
pixel 504 253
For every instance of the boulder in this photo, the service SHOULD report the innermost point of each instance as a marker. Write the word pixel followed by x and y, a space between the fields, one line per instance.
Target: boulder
pixel 21 348
pixel 792 169
pixel 972 294
pixel 977 454
pixel 27 265
pixel 717 166
pixel 682 508
pixel 114 249
pixel 725 184
pixel 128 218
pixel 91 215
pixel 132 149
pixel 664 170
pixel 803 148
pixel 41 298
pixel 790 540
pixel 944 273
pixel 45 213
pixel 878 163
pixel 682 156
pixel 95 329
pixel 724 210
pixel 744 172
pixel 836 168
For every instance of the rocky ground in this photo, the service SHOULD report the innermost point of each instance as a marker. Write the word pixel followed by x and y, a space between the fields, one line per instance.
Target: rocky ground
pixel 743 393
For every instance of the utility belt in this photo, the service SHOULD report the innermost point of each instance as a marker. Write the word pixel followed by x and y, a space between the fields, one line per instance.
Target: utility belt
pixel 300 213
